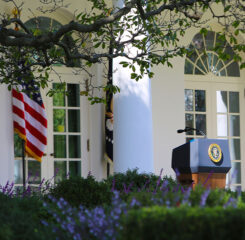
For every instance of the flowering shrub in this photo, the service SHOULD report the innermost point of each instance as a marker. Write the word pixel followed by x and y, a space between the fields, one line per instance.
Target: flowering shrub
pixel 81 208
pixel 82 223
pixel 134 181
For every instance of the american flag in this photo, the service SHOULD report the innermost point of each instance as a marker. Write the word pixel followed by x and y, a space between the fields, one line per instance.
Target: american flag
pixel 30 120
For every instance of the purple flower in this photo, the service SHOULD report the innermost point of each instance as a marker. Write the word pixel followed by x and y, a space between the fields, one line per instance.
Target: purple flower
pixel 209 175
pixel 134 203
pixel 204 197
pixel 186 196
pixel 232 202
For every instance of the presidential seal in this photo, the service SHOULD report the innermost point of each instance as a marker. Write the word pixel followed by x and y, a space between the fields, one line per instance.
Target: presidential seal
pixel 214 152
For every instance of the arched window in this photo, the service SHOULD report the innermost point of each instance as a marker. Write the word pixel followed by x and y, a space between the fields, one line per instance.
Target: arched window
pixel 203 59
pixel 45 24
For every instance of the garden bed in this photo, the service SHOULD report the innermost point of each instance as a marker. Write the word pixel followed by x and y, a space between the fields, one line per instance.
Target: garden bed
pixel 125 206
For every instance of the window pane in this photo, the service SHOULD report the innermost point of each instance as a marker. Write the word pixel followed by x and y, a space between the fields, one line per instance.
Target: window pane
pixel 198 42
pixel 209 40
pixel 222 73
pixel 221 97
pixel 222 125
pixel 188 100
pixel 188 67
pixel 201 66
pixel 234 102
pixel 18 173
pixel 205 61
pixel 74 168
pixel 215 61
pixel 34 172
pixel 59 96
pixel 192 55
pixel 235 172
pixel 59 146
pixel 189 122
pixel 220 41
pixel 210 61
pixel 198 72
pixel 229 52
pixel 74 120
pixel 201 123
pixel 219 66
pixel 235 149
pixel 17 146
pixel 59 120
pixel 200 101
pixel 74 146
pixel 234 125
pixel 60 172
pixel 233 70
pixel 73 95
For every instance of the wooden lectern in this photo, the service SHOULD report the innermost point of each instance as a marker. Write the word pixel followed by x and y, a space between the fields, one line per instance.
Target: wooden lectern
pixel 202 161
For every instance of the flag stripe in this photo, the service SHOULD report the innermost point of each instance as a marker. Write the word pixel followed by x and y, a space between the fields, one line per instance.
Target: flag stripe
pixel 34 149
pixel 37 111
pixel 30 120
pixel 17 110
pixel 19 128
pixel 29 135
pixel 36 133
pixel 33 154
pixel 25 124
pixel 21 131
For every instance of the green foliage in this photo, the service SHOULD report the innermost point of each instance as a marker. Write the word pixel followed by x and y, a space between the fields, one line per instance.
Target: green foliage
pixel 160 223
pixel 136 181
pixel 82 191
pixel 144 34
pixel 20 218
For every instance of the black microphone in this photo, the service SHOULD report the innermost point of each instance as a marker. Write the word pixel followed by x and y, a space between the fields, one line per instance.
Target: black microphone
pixel 187 129
pixel 180 130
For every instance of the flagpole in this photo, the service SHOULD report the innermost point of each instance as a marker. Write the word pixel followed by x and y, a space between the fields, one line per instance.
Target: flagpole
pixel 23 164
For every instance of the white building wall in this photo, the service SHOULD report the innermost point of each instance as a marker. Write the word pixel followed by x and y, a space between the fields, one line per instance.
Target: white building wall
pixel 6 137
pixel 167 112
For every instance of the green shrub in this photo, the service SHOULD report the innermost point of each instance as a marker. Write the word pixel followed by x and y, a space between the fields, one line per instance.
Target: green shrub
pixel 20 219
pixel 83 191
pixel 216 197
pixel 174 196
pixel 136 181
pixel 183 223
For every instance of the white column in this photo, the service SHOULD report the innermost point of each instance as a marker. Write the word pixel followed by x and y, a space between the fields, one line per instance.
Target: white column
pixel 133 147
pixel 6 137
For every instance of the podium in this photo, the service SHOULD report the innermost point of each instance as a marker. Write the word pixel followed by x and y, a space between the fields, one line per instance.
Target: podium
pixel 202 161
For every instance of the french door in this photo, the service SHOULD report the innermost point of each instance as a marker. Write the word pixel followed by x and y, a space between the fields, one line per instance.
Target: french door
pixel 216 108
pixel 68 130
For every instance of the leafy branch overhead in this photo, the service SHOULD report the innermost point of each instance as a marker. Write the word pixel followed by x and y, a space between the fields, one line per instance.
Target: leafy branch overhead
pixel 144 32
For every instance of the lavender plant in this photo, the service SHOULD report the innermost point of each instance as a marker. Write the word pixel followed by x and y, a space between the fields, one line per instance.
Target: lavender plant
pixel 103 219
pixel 82 223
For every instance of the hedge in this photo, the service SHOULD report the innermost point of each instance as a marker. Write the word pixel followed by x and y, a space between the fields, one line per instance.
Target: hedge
pixel 160 223
pixel 20 219
pixel 83 191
